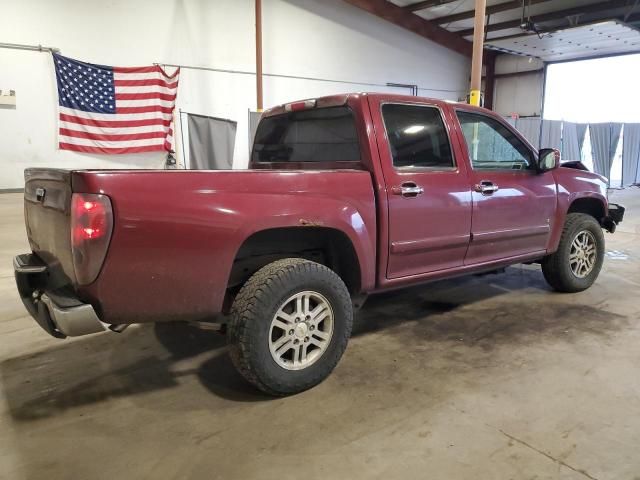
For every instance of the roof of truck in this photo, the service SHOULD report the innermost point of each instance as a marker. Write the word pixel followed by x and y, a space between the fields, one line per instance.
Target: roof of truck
pixel 343 98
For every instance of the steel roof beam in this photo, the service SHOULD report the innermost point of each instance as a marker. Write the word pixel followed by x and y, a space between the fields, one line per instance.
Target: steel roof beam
pixel 401 17
pixel 557 15
pixel 501 7
pixel 415 7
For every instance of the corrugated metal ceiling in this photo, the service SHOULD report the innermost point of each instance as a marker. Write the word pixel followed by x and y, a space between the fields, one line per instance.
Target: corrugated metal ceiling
pixel 599 39
pixel 503 29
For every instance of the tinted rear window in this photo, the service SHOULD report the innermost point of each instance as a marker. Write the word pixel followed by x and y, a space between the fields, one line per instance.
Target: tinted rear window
pixel 316 135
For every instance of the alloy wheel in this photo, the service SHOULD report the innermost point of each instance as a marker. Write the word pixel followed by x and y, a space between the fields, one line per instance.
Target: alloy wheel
pixel 583 254
pixel 301 330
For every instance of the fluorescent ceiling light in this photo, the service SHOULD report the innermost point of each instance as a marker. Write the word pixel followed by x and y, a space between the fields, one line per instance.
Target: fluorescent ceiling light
pixel 413 129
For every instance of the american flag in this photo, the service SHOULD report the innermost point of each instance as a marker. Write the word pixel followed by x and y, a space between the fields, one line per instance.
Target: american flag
pixel 114 110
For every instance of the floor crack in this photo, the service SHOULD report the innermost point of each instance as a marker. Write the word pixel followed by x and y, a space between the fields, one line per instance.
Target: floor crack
pixel 549 456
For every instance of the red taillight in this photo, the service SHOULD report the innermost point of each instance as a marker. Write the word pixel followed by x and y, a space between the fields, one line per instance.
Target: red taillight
pixel 91 227
pixel 90 217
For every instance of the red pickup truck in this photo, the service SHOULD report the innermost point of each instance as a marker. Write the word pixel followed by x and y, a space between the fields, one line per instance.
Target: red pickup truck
pixel 345 196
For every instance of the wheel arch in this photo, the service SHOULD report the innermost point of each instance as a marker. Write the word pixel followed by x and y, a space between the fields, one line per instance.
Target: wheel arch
pixel 589 205
pixel 325 245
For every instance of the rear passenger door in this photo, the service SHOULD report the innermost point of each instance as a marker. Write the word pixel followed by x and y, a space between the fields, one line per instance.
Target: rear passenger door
pixel 427 189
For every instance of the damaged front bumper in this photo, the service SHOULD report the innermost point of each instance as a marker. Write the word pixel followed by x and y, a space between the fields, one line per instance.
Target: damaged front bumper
pixel 613 218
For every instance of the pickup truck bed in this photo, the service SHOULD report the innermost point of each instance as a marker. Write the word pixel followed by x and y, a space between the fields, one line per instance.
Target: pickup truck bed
pixel 177 233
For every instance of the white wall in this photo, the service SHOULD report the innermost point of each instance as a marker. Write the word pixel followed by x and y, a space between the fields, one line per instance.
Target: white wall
pixel 521 94
pixel 312 38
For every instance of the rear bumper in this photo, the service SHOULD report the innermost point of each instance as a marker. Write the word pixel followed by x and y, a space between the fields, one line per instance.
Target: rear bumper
pixel 58 312
pixel 615 216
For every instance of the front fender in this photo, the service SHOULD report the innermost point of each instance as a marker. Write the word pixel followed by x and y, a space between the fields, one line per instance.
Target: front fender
pixel 572 185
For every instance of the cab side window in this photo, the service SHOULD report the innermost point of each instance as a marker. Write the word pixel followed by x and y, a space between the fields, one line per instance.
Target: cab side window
pixel 491 145
pixel 417 137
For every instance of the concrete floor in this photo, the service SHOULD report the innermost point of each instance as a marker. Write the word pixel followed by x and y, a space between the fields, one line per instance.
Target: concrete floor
pixel 491 377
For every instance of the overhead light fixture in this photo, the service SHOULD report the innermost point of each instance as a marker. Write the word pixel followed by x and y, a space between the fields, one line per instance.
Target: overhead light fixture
pixel 413 129
pixel 530 27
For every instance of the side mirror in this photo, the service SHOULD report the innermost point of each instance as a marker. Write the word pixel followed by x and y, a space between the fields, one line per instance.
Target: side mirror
pixel 548 159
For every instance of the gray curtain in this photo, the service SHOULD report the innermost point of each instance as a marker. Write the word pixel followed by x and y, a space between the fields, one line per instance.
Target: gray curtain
pixel 254 119
pixel 211 142
pixel 604 141
pixel 551 134
pixel 581 132
pixel 570 146
pixel 630 153
pixel 530 129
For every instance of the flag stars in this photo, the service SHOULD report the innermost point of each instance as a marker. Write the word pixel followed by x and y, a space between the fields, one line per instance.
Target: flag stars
pixel 86 87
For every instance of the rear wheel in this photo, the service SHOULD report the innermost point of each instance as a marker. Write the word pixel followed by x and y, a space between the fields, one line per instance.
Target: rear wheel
pixel 577 262
pixel 289 326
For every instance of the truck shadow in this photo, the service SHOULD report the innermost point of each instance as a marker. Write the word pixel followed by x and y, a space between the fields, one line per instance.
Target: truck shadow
pixel 147 358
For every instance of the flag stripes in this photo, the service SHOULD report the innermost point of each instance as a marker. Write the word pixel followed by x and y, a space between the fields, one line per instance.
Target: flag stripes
pixel 114 110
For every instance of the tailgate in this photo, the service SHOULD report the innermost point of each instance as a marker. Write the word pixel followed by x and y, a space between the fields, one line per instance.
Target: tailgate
pixel 47 202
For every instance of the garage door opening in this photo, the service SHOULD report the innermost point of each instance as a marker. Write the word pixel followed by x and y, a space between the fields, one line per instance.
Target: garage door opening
pixel 595 91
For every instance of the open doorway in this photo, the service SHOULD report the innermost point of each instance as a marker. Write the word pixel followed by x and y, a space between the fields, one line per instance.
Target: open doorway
pixel 593 91
pixel 600 90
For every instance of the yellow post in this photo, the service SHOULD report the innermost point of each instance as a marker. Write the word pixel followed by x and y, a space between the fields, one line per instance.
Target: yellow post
pixel 478 44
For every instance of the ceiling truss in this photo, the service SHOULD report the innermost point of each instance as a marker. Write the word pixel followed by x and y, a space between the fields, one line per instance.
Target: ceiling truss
pixel 450 22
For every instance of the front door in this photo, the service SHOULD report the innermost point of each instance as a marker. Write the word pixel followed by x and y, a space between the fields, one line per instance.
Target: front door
pixel 513 204
pixel 429 202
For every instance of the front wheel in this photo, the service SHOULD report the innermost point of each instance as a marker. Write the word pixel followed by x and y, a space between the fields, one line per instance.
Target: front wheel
pixel 289 326
pixel 577 262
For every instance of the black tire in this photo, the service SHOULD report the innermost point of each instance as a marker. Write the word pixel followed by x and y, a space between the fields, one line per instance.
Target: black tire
pixel 249 328
pixel 557 268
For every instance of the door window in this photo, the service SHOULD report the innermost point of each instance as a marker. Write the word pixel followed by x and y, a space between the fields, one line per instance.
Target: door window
pixel 491 145
pixel 417 137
